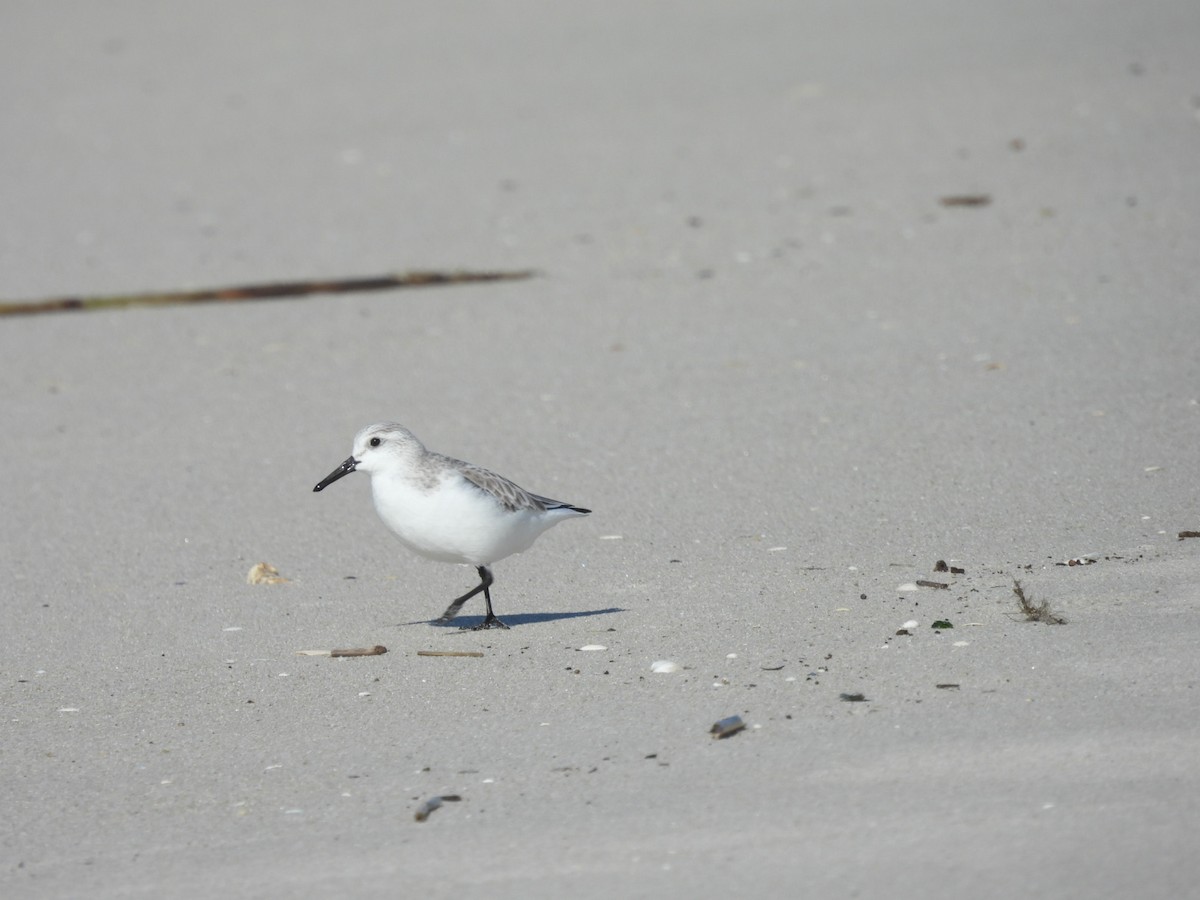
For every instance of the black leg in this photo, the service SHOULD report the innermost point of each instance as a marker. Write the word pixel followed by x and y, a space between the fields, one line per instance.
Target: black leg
pixel 490 620
pixel 485 582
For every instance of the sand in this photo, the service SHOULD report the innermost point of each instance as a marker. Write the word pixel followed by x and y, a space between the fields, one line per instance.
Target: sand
pixel 785 375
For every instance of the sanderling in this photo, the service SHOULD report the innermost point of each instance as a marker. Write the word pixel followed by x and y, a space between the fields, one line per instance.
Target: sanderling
pixel 447 509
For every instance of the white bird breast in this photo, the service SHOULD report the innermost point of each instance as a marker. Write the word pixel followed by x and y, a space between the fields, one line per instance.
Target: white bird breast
pixel 454 521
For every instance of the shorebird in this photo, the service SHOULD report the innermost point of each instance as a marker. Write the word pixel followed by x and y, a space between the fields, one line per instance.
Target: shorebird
pixel 449 510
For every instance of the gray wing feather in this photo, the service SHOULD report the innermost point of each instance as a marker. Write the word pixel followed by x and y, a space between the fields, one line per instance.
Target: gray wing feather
pixel 512 497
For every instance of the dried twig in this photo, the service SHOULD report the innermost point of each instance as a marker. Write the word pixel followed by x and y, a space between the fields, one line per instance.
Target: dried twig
pixel 266 291
pixel 377 650
pixel 966 200
pixel 449 653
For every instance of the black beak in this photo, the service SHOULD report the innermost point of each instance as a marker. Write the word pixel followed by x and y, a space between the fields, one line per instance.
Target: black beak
pixel 344 469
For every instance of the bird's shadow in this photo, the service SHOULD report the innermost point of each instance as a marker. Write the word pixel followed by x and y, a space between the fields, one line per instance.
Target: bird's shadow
pixel 468 623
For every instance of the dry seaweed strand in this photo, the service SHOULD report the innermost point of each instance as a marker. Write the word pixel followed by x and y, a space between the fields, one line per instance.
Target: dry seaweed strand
pixel 266 291
pixel 1039 612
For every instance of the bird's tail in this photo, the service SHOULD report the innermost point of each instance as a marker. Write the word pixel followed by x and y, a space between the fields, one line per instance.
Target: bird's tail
pixel 556 505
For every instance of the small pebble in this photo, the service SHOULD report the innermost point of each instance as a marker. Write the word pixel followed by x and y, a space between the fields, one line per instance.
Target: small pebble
pixel 725 727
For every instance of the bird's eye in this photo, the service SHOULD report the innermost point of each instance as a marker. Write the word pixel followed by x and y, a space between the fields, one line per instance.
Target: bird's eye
pixel 375 442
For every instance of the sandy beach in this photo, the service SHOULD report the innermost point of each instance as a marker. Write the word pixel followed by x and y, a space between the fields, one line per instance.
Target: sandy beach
pixel 825 294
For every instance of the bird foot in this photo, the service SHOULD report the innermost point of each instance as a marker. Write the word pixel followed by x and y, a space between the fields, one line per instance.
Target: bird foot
pixel 489 622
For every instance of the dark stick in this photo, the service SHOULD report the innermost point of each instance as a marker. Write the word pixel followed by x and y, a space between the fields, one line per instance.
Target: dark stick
pixel 266 291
